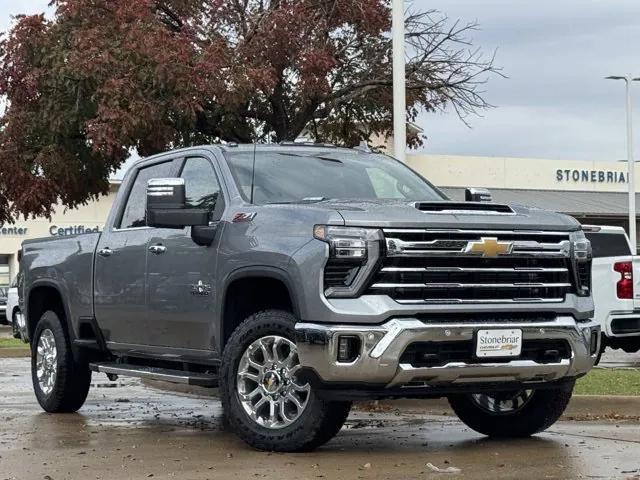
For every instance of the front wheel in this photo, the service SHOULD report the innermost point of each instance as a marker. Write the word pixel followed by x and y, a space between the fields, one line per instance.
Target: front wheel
pixel 512 414
pixel 265 403
pixel 61 384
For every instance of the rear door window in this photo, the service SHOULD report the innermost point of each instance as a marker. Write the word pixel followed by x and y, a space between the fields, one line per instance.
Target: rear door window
pixel 608 244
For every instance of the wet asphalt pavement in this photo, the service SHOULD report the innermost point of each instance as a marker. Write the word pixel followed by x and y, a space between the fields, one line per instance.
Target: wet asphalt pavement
pixel 127 430
pixel 620 359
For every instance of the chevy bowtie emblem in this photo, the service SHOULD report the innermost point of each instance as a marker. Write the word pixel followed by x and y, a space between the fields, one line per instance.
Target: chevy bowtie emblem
pixel 489 247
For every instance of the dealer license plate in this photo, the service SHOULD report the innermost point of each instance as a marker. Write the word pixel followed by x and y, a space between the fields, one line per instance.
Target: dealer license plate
pixel 499 343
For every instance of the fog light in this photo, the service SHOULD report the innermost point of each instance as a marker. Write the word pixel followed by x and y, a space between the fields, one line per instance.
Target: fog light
pixel 348 348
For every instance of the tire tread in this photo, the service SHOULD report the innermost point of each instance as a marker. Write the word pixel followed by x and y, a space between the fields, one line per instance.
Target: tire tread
pixel 73 379
pixel 313 431
pixel 542 411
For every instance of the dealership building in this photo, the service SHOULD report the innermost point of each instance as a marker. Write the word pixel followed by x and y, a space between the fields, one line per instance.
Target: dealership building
pixel 594 192
pixel 64 222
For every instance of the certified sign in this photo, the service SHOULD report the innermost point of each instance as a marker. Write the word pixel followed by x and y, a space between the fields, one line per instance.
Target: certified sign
pixel 499 343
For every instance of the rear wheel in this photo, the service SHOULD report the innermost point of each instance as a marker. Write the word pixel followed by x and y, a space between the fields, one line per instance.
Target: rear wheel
pixel 61 384
pixel 512 414
pixel 265 403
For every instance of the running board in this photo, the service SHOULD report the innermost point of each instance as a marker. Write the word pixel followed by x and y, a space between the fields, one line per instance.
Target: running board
pixel 155 373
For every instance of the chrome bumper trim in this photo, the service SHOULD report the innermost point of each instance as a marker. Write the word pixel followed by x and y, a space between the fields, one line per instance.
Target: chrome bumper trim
pixel 383 345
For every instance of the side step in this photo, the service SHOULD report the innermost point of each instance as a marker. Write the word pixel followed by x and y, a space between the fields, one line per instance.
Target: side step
pixel 155 373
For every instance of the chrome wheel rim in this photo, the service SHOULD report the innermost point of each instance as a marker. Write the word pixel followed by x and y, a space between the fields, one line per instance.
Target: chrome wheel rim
pixel 267 385
pixel 46 361
pixel 502 403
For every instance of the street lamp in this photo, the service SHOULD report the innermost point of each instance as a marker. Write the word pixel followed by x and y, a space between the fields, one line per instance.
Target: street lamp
pixel 630 161
pixel 399 82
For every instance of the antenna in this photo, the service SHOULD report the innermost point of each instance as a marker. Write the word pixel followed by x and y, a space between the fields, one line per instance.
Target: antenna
pixel 253 170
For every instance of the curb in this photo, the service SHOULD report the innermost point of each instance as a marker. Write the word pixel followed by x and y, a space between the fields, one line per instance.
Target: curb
pixel 15 352
pixel 582 407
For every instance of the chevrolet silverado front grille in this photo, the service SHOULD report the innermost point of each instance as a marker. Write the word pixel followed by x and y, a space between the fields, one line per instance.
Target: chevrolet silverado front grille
pixel 469 266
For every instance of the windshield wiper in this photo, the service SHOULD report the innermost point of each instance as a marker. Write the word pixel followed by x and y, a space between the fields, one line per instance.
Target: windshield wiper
pixel 304 200
pixel 315 157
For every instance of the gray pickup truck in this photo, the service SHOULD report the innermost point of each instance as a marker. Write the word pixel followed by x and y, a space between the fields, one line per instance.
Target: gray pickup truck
pixel 299 278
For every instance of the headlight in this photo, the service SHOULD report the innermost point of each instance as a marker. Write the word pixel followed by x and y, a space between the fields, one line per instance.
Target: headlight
pixel 581 261
pixel 353 255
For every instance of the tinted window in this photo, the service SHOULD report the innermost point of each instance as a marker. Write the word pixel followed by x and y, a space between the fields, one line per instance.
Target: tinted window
pixel 201 185
pixel 134 211
pixel 292 176
pixel 608 244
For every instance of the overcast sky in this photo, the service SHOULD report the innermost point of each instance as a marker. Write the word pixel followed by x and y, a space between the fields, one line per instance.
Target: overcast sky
pixel 555 103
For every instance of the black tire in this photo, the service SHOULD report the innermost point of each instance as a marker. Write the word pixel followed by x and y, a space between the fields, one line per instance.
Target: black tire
pixel 73 379
pixel 14 325
pixel 320 421
pixel 541 411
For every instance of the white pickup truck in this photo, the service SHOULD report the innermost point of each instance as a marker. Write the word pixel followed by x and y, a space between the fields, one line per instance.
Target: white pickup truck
pixel 616 287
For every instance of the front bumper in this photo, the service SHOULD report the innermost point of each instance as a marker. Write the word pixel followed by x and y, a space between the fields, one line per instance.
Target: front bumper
pixel 383 345
pixel 623 324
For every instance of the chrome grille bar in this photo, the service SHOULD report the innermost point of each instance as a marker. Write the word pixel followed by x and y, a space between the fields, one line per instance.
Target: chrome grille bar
pixel 469 285
pixel 474 270
pixel 403 248
pixel 472 301
pixel 475 232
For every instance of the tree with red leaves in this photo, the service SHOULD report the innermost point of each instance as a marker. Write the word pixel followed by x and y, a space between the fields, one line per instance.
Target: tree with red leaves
pixel 104 77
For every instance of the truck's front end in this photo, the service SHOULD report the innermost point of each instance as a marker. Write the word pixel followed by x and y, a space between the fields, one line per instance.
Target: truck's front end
pixel 398 291
pixel 451 309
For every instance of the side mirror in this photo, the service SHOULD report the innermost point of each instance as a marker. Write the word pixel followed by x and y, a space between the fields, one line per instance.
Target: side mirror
pixel 167 205
pixel 477 195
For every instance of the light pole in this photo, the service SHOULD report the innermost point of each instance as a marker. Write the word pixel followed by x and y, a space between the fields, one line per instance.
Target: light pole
pixel 630 161
pixel 399 82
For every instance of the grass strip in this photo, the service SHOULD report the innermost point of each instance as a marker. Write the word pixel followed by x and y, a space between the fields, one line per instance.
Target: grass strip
pixel 609 381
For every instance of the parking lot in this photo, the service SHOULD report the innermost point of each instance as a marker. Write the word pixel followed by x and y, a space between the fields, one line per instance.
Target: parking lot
pixel 128 430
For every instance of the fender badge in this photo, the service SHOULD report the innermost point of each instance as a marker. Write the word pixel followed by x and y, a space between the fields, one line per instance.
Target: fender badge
pixel 201 289
pixel 243 217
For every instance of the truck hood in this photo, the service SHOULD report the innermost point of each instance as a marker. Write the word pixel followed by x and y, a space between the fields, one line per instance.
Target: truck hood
pixel 391 213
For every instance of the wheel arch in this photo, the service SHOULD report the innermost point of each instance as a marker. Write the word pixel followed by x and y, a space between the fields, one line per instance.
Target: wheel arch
pixel 42 296
pixel 246 281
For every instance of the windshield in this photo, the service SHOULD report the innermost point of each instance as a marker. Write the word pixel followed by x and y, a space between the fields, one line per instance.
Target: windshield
pixel 3 291
pixel 297 176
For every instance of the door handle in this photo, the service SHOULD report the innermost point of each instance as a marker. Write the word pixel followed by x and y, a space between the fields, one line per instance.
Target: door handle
pixel 105 252
pixel 157 249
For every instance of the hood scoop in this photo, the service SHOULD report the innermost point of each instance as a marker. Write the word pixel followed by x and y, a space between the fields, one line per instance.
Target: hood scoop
pixel 464 208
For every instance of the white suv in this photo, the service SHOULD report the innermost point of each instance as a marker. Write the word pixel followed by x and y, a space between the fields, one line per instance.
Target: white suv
pixel 616 287
pixel 13 309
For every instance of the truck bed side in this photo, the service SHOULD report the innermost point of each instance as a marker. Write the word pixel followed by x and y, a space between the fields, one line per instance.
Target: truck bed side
pixel 65 264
